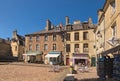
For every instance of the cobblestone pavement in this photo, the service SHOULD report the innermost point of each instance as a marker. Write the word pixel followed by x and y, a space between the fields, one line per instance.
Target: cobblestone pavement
pixel 41 72
pixel 29 72
pixel 91 75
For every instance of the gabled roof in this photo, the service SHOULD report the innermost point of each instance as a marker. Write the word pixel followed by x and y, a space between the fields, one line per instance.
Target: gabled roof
pixel 20 39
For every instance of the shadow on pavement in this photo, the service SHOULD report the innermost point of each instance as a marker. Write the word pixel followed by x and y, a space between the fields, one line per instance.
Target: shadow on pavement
pixel 94 79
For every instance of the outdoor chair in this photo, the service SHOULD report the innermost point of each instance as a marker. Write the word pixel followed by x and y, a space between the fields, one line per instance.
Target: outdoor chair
pixel 56 68
pixel 81 69
pixel 51 68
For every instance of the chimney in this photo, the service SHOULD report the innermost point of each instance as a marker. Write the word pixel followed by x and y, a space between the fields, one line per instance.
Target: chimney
pixel 90 21
pixel 67 20
pixel 48 25
pixel 14 33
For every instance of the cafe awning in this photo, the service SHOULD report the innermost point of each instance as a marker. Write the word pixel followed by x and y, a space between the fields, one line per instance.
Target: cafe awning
pixel 33 52
pixel 80 56
pixel 53 54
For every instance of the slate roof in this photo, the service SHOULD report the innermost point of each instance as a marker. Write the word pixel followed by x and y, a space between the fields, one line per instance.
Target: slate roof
pixel 53 30
pixel 21 40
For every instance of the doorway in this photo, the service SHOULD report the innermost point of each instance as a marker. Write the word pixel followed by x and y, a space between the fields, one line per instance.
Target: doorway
pixel 79 61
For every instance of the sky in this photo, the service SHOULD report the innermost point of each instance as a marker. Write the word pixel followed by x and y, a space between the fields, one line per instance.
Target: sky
pixel 28 16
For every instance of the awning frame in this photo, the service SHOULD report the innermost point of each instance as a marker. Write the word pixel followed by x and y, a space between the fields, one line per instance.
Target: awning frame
pixel 52 55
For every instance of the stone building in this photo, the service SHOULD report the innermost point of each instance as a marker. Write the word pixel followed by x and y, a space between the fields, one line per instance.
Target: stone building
pixel 5 50
pixel 107 32
pixel 17 45
pixel 80 42
pixel 45 46
pixel 62 44
pixel 108 40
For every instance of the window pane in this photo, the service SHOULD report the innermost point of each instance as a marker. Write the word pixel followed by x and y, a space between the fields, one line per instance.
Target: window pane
pixel 54 46
pixel 85 48
pixel 30 47
pixel 46 37
pixel 85 35
pixel 76 36
pixel 54 37
pixel 68 37
pixel 15 48
pixel 114 30
pixel 45 47
pixel 37 38
pixel 68 48
pixel 76 47
pixel 37 47
pixel 30 38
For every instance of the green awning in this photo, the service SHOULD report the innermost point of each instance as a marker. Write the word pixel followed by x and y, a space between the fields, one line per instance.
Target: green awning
pixel 33 52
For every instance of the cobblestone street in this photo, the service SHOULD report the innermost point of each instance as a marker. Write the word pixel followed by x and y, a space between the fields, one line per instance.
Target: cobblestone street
pixel 87 76
pixel 41 72
pixel 29 72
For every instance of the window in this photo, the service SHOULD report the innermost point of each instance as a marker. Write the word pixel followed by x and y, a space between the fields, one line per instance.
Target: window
pixel 68 37
pixel 37 38
pixel 76 36
pixel 30 47
pixel 45 47
pixel 113 7
pixel 85 48
pixel 67 47
pixel 54 37
pixel 46 37
pixel 30 38
pixel 15 48
pixel 54 47
pixel 76 47
pixel 85 35
pixel 114 30
pixel 69 27
pixel 37 47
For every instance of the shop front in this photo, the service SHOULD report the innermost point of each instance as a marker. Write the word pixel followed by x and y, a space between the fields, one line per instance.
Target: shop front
pixel 79 58
pixel 108 65
pixel 33 57
pixel 53 58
